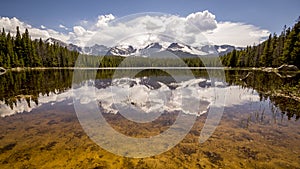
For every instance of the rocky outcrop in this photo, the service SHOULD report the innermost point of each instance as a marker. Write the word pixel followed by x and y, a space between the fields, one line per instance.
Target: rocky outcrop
pixel 286 67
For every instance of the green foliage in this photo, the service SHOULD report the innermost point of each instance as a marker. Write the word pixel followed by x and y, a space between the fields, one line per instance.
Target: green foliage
pixel 273 52
pixel 21 51
pixel 133 61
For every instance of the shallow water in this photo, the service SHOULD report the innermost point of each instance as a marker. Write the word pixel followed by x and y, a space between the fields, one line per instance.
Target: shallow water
pixel 40 127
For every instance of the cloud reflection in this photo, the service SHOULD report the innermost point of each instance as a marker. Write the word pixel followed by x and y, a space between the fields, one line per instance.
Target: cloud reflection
pixel 143 97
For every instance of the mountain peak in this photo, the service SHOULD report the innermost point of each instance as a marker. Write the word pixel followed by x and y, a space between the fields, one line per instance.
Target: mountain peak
pixel 156 48
pixel 122 50
pixel 53 41
pixel 70 46
pixel 155 45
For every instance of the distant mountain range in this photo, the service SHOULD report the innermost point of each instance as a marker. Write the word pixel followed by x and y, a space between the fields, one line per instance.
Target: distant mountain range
pixel 151 50
pixel 70 46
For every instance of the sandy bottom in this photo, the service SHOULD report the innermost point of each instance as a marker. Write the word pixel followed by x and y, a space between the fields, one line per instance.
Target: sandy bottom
pixel 52 137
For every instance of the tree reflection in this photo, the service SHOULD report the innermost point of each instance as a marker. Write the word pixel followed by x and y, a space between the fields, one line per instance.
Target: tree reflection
pixel 28 85
pixel 283 91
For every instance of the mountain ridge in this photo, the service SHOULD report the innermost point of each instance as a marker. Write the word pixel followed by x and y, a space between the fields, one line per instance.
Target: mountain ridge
pixel 177 49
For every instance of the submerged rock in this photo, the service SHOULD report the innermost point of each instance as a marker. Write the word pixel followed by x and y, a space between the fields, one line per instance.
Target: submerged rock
pixel 286 67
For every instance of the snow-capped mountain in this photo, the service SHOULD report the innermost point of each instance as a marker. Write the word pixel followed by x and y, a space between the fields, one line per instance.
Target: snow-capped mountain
pixel 224 49
pixel 156 49
pixel 154 46
pixel 185 50
pixel 150 50
pixel 73 47
pixel 70 46
pixel 52 41
pixel 98 50
pixel 122 50
pixel 209 49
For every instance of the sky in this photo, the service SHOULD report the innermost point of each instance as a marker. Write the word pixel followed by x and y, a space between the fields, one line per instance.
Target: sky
pixel 75 21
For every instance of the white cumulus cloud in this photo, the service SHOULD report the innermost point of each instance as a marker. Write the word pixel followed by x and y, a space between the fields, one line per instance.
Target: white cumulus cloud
pixel 238 34
pixel 195 29
pixel 103 20
pixel 204 21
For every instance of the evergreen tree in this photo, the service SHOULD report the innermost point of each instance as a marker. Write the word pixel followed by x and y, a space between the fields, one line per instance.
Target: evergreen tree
pixel 22 51
pixel 2 48
pixel 232 59
pixel 266 57
pixel 274 52
pixel 295 51
pixel 18 60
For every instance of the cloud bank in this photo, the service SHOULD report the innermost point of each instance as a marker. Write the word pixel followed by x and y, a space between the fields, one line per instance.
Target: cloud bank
pixel 10 24
pixel 195 29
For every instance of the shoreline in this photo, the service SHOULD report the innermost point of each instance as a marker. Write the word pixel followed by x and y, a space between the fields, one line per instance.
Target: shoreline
pixel 265 69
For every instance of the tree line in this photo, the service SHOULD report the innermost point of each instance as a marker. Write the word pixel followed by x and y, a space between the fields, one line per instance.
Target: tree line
pixel 275 51
pixel 21 51
pixel 137 61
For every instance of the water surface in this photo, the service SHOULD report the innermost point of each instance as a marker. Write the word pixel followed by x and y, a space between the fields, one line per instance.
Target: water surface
pixel 259 127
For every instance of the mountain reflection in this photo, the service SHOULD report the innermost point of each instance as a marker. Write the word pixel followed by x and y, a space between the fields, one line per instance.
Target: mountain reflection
pixel 25 90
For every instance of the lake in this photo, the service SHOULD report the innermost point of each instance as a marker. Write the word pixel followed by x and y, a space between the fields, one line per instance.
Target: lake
pixel 47 119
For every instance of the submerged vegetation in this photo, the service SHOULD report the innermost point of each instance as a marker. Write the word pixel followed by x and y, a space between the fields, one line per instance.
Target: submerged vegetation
pixel 249 136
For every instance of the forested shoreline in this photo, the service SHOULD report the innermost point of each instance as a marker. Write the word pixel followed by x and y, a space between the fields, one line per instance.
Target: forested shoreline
pixel 22 51
pixel 275 51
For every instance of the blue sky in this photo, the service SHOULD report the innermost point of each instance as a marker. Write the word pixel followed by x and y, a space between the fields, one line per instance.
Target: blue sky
pixel 233 22
pixel 268 14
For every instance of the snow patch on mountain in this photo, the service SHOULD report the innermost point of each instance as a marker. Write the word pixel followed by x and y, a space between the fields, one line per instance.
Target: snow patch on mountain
pixel 156 48
pixel 185 48
pixel 97 50
pixel 122 50
pixel 70 46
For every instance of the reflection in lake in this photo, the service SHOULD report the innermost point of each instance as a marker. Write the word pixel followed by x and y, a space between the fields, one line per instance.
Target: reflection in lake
pixel 25 90
pixel 260 126
pixel 282 90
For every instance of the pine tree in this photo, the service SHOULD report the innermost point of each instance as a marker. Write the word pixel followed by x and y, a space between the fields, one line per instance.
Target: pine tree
pixel 232 59
pixel 266 57
pixel 291 45
pixel 26 49
pixel 295 52
pixel 18 61
pixel 3 48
